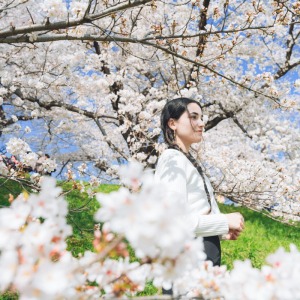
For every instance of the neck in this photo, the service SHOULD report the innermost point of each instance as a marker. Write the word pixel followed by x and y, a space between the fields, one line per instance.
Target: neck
pixel 182 146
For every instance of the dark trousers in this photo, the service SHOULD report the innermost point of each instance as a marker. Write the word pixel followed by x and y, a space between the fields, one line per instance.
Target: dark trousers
pixel 212 249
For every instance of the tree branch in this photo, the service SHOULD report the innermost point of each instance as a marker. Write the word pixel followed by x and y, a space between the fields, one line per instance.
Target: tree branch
pixel 13 31
pixel 69 107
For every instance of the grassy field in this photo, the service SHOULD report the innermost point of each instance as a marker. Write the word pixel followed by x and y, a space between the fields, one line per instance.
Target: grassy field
pixel 261 237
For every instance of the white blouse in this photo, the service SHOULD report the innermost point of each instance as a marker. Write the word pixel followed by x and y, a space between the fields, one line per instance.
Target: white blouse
pixel 175 169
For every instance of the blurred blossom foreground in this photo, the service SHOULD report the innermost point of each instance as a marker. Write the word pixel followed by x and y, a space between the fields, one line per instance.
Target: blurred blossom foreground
pixel 33 232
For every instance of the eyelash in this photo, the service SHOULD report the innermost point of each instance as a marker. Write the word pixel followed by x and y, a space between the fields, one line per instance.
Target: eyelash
pixel 196 118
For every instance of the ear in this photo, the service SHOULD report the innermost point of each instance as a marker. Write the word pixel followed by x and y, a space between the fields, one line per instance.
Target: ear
pixel 172 124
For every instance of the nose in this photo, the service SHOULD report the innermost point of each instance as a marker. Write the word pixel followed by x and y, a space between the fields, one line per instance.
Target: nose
pixel 200 123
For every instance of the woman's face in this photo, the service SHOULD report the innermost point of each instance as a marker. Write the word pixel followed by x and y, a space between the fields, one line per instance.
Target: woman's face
pixel 189 127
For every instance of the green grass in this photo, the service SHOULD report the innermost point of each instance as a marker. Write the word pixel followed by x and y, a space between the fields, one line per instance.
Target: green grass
pixel 9 296
pixel 81 217
pixel 261 236
pixel 8 187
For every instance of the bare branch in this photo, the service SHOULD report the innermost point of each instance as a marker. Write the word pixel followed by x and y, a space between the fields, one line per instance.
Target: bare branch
pixel 30 16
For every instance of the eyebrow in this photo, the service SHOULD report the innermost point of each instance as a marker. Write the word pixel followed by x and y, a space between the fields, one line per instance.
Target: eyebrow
pixel 194 113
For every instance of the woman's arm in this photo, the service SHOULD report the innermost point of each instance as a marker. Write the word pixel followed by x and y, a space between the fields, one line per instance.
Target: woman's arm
pixel 212 224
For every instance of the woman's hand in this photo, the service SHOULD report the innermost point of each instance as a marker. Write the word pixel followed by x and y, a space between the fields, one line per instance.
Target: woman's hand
pixel 231 235
pixel 235 222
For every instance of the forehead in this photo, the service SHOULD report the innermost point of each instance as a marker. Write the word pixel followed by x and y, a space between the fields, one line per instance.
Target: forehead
pixel 194 108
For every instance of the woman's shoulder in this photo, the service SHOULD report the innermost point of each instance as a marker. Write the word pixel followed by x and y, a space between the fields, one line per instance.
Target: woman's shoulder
pixel 172 153
pixel 171 163
pixel 172 158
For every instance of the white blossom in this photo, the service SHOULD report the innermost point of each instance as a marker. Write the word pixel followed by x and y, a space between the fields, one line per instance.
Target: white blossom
pixel 35 113
pixel 78 8
pixel 29 159
pixel 3 91
pixel 152 159
pixel 33 37
pixel 161 230
pixel 277 281
pixel 94 181
pixel 245 85
pixel 3 168
pixel 17 146
pixel 29 244
pixel 54 8
pixel 297 83
pixel 131 175
pixel 14 118
pixel 82 169
pixel 27 129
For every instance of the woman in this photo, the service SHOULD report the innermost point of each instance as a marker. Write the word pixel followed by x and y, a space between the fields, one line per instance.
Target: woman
pixel 182 125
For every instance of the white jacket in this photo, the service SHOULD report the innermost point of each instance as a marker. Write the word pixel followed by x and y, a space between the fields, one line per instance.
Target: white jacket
pixel 175 169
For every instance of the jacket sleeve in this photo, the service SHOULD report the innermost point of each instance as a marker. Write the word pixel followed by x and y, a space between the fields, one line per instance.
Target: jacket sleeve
pixel 215 223
pixel 210 225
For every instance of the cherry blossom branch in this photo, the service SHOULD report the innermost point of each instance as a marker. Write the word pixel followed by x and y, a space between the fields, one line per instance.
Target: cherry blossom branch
pixel 69 107
pixel 7 7
pixel 13 38
pixel 201 40
pixel 22 181
pixel 103 254
pixel 67 24
pixel 108 141
pixel 7 122
pixel 291 43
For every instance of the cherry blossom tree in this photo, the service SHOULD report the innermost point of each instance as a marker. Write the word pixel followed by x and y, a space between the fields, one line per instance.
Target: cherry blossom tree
pixel 90 78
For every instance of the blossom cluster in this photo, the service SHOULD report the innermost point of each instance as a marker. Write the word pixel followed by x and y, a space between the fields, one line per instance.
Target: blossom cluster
pixel 33 232
pixel 33 244
pixel 37 264
pixel 277 280
pixel 24 159
pixel 152 220
pixel 57 9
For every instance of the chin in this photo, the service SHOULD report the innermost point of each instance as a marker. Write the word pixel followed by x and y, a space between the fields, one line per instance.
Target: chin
pixel 198 139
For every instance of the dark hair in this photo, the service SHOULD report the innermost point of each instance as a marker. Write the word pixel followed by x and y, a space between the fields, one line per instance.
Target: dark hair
pixel 173 110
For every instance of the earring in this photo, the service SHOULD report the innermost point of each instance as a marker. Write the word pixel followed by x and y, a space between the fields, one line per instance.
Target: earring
pixel 174 134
